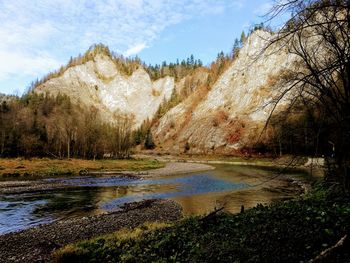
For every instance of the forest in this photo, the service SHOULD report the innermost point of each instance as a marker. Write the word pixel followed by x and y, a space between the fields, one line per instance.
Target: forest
pixel 41 125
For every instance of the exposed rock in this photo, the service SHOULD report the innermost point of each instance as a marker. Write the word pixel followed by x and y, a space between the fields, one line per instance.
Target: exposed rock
pixel 6 98
pixel 225 118
pixel 98 83
pixel 235 108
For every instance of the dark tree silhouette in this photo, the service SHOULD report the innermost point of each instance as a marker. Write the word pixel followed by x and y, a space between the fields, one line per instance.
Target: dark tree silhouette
pixel 318 35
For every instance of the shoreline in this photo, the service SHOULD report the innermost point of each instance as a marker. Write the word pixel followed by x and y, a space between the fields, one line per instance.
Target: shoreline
pixel 170 168
pixel 316 170
pixel 174 168
pixel 17 186
pixel 140 165
pixel 45 167
pixel 302 163
pixel 37 244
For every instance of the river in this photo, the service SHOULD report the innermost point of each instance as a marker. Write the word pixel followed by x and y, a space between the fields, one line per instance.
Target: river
pixel 227 186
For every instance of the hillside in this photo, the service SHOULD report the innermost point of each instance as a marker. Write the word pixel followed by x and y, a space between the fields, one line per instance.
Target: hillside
pixel 233 112
pixel 215 114
pixel 6 98
pixel 114 84
pixel 98 83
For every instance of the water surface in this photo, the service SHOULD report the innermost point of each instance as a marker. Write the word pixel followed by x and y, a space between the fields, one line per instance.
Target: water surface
pixel 198 193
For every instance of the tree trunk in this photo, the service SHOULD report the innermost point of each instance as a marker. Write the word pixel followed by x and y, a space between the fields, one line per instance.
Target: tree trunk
pixel 2 143
pixel 68 148
pixel 280 145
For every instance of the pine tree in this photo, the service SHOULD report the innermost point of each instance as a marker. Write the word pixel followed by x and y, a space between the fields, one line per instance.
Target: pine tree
pixel 236 47
pixel 243 39
pixel 192 60
pixel 149 143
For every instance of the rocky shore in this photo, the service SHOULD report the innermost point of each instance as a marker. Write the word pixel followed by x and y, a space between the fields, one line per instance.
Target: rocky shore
pixel 171 168
pixel 38 243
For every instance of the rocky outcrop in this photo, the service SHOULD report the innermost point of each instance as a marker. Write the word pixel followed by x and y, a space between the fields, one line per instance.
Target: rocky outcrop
pixel 98 83
pixel 6 98
pixel 234 110
pixel 224 119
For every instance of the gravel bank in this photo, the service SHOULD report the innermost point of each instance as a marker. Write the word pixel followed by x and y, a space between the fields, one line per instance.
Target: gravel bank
pixel 37 244
pixel 19 187
pixel 171 168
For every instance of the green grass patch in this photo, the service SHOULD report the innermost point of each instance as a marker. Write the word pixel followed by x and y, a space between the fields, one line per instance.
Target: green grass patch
pixel 293 231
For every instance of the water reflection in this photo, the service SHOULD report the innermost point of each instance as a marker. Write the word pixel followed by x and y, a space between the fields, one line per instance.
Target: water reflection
pixel 198 193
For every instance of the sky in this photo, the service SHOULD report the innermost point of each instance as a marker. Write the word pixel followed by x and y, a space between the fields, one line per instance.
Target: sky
pixel 38 36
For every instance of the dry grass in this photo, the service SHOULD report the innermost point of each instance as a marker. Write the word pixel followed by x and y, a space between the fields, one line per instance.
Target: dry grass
pixel 47 166
pixel 111 239
pixel 155 93
pixel 103 77
pixel 219 118
pixel 236 129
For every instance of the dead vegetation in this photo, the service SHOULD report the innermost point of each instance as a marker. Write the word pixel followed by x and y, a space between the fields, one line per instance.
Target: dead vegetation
pixel 219 118
pixel 45 166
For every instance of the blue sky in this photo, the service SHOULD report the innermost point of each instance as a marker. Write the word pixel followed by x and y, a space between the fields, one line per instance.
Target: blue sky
pixel 37 36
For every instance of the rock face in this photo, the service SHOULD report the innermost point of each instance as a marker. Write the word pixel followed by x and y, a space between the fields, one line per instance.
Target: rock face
pixel 6 98
pixel 223 119
pixel 233 111
pixel 98 83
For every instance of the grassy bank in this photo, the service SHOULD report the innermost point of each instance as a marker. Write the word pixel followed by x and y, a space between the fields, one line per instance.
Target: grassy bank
pixel 294 231
pixel 296 161
pixel 256 160
pixel 50 167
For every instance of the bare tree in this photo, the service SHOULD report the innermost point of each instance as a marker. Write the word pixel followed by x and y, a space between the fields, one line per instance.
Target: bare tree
pixel 122 135
pixel 318 35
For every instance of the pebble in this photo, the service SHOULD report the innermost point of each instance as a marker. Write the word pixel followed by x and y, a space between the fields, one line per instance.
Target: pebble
pixel 38 243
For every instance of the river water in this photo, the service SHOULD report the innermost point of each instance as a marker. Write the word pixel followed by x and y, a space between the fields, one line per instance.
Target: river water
pixel 198 193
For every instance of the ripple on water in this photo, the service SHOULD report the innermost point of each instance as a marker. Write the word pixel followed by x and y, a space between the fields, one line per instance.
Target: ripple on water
pixel 18 214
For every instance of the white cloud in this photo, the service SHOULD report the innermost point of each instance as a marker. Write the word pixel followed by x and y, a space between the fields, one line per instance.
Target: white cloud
pixel 22 63
pixel 135 49
pixel 65 27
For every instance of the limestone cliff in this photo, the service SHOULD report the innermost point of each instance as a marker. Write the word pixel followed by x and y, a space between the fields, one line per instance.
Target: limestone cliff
pixel 230 116
pixel 98 83
pixel 224 118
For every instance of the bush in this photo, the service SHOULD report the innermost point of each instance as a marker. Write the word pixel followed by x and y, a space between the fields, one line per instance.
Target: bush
pixel 149 143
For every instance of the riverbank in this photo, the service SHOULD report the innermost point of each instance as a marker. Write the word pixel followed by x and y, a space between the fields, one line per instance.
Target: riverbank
pixel 315 228
pixel 38 243
pixel 308 164
pixel 142 164
pixel 172 168
pixel 45 167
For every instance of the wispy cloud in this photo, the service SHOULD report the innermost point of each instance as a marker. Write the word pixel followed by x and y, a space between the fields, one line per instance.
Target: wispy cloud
pixel 37 35
pixel 135 49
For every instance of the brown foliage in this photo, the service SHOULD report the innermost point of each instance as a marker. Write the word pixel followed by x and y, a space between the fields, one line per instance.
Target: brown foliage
pixel 219 118
pixel 236 128
pixel 38 125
